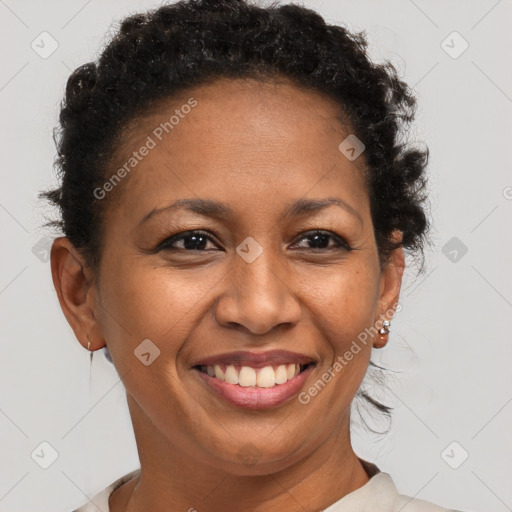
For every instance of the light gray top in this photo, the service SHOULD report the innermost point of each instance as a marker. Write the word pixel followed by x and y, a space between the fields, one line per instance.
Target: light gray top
pixel 378 494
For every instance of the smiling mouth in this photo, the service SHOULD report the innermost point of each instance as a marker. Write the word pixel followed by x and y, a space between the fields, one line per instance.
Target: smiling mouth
pixel 246 376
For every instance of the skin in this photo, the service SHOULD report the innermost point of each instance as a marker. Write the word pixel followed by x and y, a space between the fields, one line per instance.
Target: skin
pixel 255 147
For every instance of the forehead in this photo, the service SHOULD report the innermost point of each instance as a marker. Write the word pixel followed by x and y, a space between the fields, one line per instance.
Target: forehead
pixel 238 139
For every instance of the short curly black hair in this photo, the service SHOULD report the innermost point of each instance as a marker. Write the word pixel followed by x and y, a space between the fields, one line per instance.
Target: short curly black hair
pixel 157 54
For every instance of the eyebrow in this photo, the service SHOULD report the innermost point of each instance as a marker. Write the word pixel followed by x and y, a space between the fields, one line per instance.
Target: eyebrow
pixel 214 209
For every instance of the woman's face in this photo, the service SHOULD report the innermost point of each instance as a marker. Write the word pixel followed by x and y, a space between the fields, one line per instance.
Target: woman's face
pixel 255 279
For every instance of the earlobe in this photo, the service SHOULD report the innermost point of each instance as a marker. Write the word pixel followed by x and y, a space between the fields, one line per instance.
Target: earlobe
pixel 390 285
pixel 75 291
pixel 384 327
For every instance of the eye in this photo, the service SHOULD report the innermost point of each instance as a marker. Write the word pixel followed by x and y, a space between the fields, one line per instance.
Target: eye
pixel 320 241
pixel 197 240
pixel 192 241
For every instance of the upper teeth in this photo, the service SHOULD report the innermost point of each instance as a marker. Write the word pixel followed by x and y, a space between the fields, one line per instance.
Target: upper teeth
pixel 266 377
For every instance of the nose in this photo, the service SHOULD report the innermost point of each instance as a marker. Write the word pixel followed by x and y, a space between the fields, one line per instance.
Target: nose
pixel 259 296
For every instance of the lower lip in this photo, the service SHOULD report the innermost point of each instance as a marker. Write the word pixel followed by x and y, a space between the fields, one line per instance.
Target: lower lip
pixel 253 397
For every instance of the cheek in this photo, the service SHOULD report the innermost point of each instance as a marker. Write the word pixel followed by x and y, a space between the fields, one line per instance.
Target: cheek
pixel 345 315
pixel 142 301
pixel 346 301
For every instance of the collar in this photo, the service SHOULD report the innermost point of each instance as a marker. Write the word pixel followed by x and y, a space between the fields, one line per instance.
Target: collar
pixel 379 493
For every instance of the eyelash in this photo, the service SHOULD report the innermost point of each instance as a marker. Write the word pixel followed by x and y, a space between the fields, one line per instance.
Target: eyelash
pixel 340 243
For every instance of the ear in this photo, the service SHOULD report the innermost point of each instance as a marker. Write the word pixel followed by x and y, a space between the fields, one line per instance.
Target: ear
pixel 74 283
pixel 389 290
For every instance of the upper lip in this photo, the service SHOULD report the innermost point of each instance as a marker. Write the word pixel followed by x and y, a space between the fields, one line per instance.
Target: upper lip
pixel 256 359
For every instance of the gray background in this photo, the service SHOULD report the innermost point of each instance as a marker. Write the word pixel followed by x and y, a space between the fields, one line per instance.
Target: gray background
pixel 451 342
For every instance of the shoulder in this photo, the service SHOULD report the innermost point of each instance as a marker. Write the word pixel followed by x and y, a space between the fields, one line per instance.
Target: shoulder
pixel 383 486
pixel 380 493
pixel 100 500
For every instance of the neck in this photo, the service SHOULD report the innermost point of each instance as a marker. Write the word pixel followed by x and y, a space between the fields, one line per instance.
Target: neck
pixel 169 476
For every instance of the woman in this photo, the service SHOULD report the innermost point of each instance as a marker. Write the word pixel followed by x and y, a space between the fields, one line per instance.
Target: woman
pixel 236 205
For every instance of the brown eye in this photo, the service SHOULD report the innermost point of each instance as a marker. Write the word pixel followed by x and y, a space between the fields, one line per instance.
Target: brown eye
pixel 319 240
pixel 190 241
pixel 198 241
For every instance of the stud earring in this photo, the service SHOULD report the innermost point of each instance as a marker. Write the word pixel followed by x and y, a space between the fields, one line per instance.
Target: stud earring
pixel 385 328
